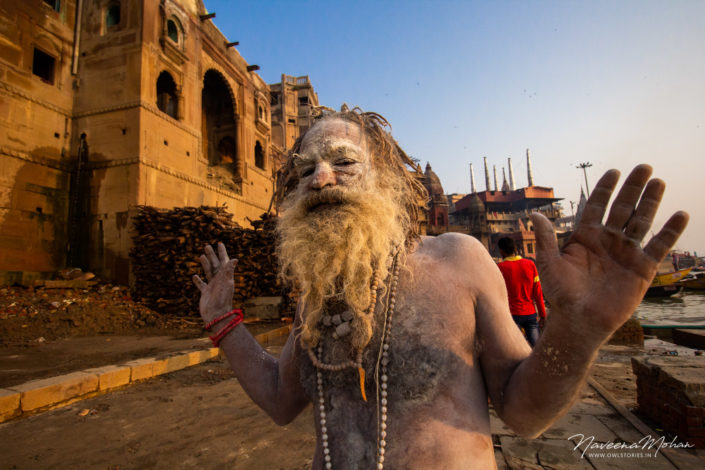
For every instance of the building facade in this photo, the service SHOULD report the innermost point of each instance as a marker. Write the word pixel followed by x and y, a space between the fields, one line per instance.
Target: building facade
pixel 293 101
pixel 110 104
pixel 495 213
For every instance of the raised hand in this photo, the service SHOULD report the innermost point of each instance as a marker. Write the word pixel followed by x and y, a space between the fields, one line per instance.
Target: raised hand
pixel 217 294
pixel 600 276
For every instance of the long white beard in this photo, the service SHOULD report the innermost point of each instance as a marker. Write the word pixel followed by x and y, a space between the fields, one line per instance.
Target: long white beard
pixel 334 249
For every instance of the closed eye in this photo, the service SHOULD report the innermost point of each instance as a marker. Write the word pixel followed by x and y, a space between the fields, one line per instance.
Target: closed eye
pixel 345 162
pixel 307 172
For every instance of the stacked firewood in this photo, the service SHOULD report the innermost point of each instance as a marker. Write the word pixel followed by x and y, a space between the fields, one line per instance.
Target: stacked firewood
pixel 167 245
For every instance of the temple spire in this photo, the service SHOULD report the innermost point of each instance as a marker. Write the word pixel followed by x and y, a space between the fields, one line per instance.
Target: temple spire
pixel 494 170
pixel 512 186
pixel 472 179
pixel 529 173
pixel 487 175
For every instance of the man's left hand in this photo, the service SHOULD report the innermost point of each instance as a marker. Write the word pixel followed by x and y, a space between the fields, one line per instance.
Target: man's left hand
pixel 597 280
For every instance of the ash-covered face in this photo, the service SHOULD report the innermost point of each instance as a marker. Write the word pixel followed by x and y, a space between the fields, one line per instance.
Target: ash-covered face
pixel 333 159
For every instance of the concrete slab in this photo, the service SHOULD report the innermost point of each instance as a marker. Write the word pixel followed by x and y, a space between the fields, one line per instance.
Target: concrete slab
pixel 159 367
pixel 177 362
pixel 196 357
pixel 514 463
pixel 40 393
pixel 627 462
pixel 579 424
pixel 549 453
pixel 689 338
pixel 9 404
pixel 592 407
pixel 141 369
pixel 111 376
pixel 624 430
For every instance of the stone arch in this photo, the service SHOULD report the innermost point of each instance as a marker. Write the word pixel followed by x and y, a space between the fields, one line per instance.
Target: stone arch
pixel 259 155
pixel 219 123
pixel 167 97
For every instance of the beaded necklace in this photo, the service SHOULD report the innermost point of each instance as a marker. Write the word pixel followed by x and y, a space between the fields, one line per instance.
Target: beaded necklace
pixel 382 359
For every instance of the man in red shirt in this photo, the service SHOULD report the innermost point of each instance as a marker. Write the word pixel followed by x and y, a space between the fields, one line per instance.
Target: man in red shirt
pixel 523 288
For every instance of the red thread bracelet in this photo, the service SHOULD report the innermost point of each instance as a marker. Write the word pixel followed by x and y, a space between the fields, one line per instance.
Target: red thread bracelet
pixel 218 337
pixel 235 311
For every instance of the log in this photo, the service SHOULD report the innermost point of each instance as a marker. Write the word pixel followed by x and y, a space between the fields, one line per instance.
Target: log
pixel 167 245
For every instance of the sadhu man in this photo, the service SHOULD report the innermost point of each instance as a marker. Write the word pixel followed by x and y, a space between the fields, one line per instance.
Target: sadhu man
pixel 399 339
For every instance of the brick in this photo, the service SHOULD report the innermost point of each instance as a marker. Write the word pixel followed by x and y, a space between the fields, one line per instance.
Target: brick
pixel 111 376
pixel 693 421
pixel 45 392
pixel 9 404
pixel 698 442
pixel 695 431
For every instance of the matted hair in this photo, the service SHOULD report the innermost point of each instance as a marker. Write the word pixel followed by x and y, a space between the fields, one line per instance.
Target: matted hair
pixel 387 158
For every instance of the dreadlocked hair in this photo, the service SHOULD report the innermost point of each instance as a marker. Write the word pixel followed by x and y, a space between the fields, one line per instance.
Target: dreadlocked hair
pixel 391 162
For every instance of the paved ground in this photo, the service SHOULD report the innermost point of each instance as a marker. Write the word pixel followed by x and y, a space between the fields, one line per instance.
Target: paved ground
pixel 200 418
pixel 195 418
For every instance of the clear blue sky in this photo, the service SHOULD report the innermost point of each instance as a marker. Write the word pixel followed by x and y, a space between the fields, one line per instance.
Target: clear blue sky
pixel 614 83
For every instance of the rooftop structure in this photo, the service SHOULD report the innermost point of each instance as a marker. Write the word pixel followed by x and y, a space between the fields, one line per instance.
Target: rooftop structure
pixel 491 214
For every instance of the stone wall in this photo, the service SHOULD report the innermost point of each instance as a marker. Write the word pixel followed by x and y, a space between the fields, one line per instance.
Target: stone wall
pixel 130 108
pixel 36 93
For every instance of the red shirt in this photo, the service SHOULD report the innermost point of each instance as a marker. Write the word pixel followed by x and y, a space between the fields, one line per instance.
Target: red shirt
pixel 523 286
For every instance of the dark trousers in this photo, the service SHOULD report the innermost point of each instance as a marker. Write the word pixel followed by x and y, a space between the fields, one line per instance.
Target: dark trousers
pixel 530 324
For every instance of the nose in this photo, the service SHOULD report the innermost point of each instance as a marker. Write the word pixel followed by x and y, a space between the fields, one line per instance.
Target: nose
pixel 323 175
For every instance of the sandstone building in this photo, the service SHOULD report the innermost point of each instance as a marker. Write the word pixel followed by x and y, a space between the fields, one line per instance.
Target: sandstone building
pixel 293 101
pixel 109 104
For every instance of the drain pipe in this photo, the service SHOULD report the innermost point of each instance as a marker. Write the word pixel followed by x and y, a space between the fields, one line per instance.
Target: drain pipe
pixel 76 36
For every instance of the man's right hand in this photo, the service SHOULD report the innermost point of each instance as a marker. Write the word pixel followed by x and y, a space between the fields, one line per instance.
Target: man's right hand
pixel 217 293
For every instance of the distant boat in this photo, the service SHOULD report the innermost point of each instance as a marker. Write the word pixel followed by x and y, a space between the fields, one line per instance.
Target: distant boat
pixel 695 280
pixel 667 284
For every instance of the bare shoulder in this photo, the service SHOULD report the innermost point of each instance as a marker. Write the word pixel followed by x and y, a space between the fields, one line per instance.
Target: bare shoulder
pixel 454 248
pixel 460 255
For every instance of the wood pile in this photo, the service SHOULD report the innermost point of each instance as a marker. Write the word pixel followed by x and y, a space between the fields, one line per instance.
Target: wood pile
pixel 167 245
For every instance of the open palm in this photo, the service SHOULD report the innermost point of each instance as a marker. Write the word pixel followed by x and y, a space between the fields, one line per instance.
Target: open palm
pixel 602 273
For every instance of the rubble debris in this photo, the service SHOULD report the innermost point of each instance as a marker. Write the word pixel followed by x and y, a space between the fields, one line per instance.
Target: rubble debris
pixel 35 315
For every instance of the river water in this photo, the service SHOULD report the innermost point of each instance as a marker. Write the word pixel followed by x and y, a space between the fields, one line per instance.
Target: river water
pixel 687 308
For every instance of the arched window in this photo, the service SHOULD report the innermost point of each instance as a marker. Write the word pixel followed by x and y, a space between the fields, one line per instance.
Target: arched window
pixel 261 113
pixel 259 155
pixel 167 101
pixel 55 4
pixel 173 30
pixel 219 127
pixel 112 15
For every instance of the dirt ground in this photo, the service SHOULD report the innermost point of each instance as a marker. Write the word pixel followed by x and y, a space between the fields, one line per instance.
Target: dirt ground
pixel 48 332
pixel 197 418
